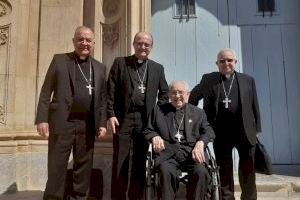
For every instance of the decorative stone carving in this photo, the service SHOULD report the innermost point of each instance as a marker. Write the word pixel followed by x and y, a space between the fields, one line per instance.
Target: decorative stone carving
pixel 110 34
pixel 110 8
pixel 3 36
pixel 2 114
pixel 2 10
pixel 5 8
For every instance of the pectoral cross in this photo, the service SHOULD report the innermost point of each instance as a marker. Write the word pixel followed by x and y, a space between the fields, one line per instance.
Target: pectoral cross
pixel 90 89
pixel 178 136
pixel 142 88
pixel 226 101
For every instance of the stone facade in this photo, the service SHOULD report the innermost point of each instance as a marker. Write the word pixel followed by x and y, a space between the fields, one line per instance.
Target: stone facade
pixel 31 31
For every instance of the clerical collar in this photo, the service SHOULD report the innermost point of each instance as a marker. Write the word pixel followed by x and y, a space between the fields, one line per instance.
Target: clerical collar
pixel 81 59
pixel 181 108
pixel 227 76
pixel 139 61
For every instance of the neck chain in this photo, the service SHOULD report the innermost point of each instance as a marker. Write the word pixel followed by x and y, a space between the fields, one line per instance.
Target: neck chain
pixel 227 100
pixel 89 81
pixel 179 136
pixel 141 80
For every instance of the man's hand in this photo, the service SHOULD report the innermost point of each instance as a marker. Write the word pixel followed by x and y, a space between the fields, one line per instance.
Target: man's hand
pixel 43 129
pixel 101 132
pixel 158 144
pixel 112 123
pixel 198 152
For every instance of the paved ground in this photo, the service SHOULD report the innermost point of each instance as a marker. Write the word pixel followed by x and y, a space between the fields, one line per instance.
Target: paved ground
pixel 274 187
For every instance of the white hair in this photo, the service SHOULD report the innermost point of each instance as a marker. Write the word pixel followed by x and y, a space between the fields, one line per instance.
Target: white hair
pixel 227 49
pixel 184 83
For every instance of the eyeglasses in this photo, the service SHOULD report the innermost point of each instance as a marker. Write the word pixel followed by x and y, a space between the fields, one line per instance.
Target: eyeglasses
pixel 223 61
pixel 180 93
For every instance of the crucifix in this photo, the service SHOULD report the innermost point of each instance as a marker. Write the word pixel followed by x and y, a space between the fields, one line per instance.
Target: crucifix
pixel 90 88
pixel 226 101
pixel 178 136
pixel 142 88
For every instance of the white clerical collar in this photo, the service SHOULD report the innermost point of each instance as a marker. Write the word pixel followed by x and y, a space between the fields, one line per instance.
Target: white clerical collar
pixel 227 76
pixel 82 57
pixel 140 61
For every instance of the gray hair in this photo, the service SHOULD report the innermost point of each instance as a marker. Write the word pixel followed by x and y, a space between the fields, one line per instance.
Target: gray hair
pixel 227 49
pixel 184 83
pixel 79 28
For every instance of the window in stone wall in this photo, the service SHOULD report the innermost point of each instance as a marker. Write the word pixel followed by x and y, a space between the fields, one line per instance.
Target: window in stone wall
pixel 185 9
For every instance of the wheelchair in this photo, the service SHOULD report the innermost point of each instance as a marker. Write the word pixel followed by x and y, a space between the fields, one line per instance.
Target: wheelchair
pixel 152 186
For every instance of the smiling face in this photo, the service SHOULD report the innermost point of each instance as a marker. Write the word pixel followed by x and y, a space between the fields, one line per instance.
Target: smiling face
pixel 179 94
pixel 83 42
pixel 226 61
pixel 142 45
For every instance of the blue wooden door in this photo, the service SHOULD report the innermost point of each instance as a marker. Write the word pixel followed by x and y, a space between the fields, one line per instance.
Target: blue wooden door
pixel 267 46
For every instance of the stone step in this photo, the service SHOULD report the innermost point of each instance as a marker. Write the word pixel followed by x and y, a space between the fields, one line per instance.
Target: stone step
pixel 277 187
pixel 273 187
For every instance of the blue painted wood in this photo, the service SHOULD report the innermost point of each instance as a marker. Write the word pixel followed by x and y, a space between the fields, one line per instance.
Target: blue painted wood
pixel 254 63
pixel 291 53
pixel 287 11
pixel 163 31
pixel 267 47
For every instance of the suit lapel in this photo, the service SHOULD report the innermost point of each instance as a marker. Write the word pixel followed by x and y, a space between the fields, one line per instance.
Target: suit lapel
pixel 71 68
pixel 150 77
pixel 96 71
pixel 216 89
pixel 241 86
pixel 131 69
pixel 188 122
pixel 170 120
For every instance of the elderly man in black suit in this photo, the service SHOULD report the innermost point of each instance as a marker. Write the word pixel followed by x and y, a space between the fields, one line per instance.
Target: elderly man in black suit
pixel 72 111
pixel 135 83
pixel 231 105
pixel 179 133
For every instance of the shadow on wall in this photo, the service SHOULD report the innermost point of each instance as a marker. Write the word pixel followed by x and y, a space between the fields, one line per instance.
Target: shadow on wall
pixel 13 188
pixel 96 185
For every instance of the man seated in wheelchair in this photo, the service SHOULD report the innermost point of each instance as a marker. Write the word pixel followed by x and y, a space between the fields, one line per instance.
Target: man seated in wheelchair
pixel 179 133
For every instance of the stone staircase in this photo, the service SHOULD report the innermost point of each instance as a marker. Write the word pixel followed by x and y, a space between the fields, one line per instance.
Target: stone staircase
pixel 270 187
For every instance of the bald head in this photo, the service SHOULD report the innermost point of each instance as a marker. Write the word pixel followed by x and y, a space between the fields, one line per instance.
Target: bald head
pixel 83 41
pixel 142 44
pixel 226 61
pixel 80 29
pixel 222 51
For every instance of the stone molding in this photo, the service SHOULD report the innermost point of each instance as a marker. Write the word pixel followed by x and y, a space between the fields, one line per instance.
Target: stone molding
pixel 110 34
pixel 2 114
pixel 110 18
pixel 4 54
pixel 3 35
pixel 5 8
pixel 30 141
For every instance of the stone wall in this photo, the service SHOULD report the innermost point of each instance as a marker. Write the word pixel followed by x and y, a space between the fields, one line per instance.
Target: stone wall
pixel 31 31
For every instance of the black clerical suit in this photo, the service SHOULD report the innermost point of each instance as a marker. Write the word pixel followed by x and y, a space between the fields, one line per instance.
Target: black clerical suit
pixel 74 115
pixel 193 126
pixel 131 107
pixel 235 126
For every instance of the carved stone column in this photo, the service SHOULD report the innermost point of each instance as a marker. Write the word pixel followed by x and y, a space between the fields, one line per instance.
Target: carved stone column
pixel 5 29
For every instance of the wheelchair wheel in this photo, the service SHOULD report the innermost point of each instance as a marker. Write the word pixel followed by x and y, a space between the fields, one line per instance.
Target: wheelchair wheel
pixel 216 190
pixel 215 185
pixel 152 190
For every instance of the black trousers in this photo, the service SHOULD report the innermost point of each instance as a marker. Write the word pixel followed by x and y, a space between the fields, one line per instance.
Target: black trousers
pixel 78 138
pixel 246 172
pixel 197 184
pixel 130 147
